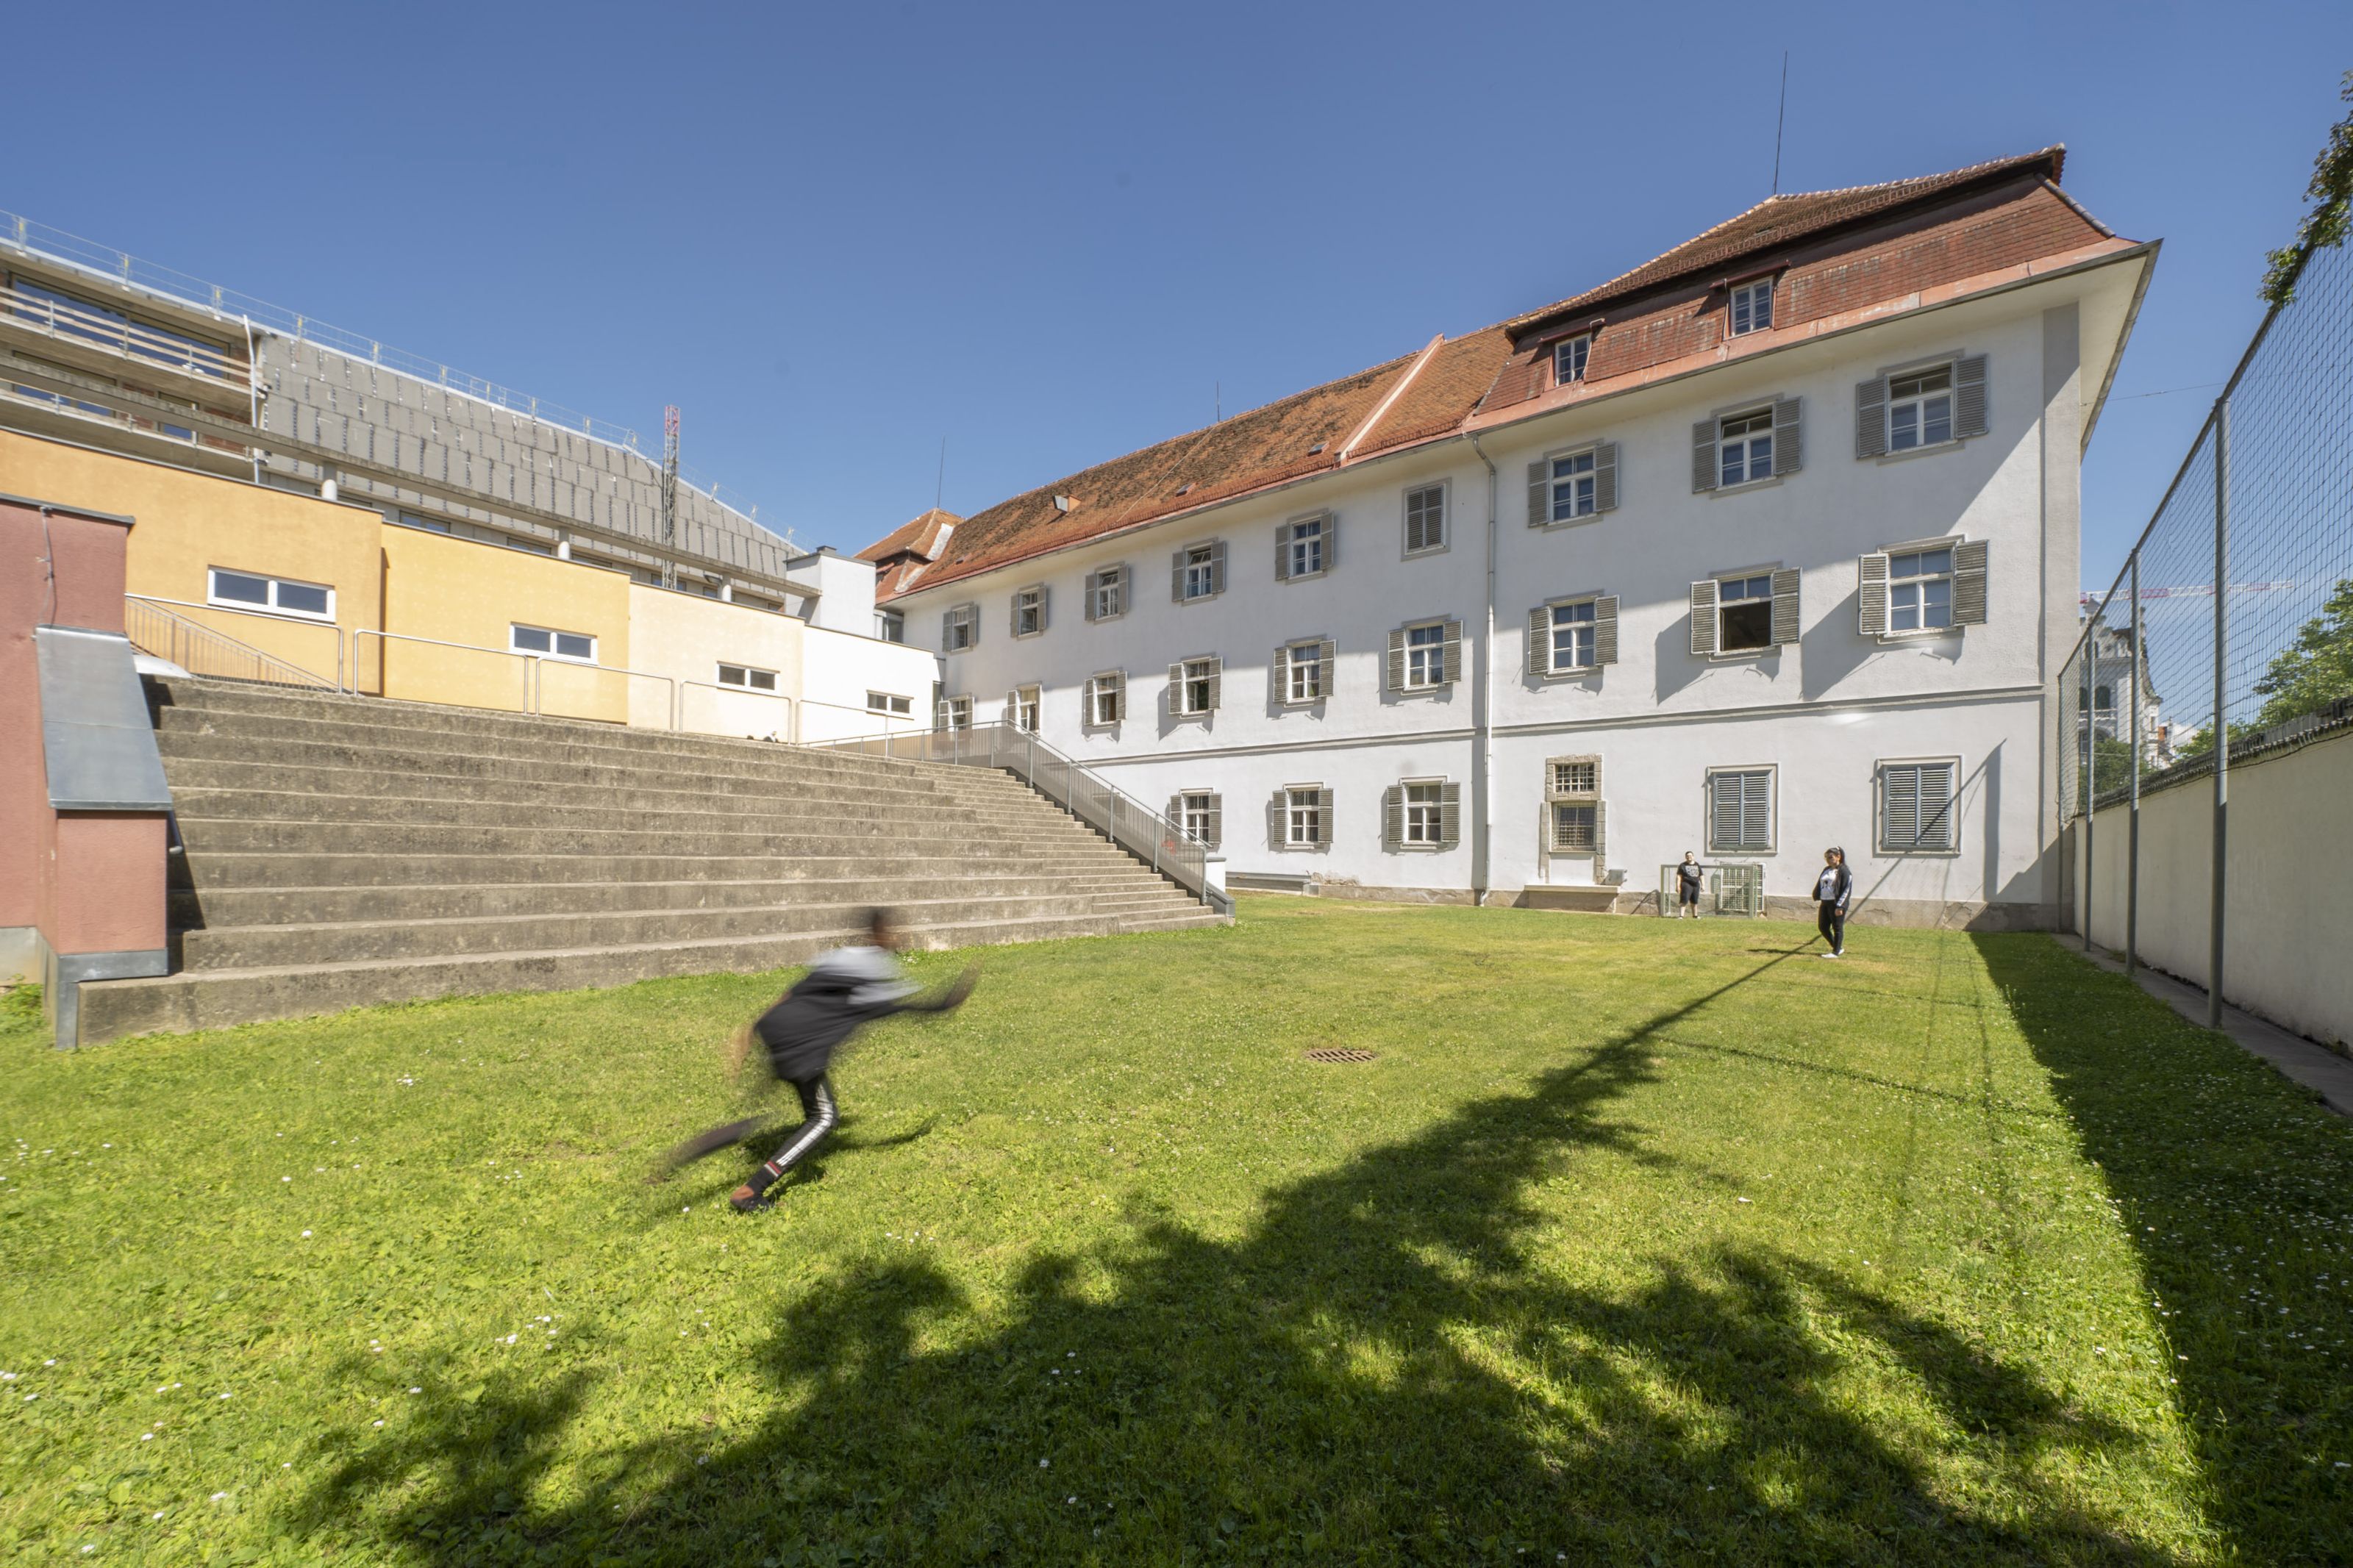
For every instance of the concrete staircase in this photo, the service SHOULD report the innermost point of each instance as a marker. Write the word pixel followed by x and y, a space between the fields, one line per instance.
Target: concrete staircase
pixel 343 851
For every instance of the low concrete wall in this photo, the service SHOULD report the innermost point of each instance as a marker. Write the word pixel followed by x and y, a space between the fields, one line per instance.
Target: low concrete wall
pixel 2288 892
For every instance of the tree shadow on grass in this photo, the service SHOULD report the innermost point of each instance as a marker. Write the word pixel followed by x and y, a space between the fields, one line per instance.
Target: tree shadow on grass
pixel 2236 1188
pixel 1384 1368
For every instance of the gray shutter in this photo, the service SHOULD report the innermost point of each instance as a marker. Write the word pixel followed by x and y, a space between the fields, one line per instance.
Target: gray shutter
pixel 1450 816
pixel 1788 438
pixel 1540 640
pixel 1873 592
pixel 1605 477
pixel 1722 812
pixel 1087 703
pixel 1277 830
pixel 1324 812
pixel 1282 553
pixel 1969 582
pixel 1899 807
pixel 1092 578
pixel 1704 469
pixel 1045 595
pixel 1393 819
pixel 1786 621
pixel 1757 809
pixel 1217 567
pixel 1331 543
pixel 1014 627
pixel 1397 660
pixel 1970 395
pixel 1539 494
pixel 1176 691
pixel 1119 694
pixel 1870 417
pixel 1604 629
pixel 1278 673
pixel 1177 814
pixel 1936 807
pixel 1327 669
pixel 1217 821
pixel 1702 618
pixel 1013 708
pixel 1217 683
pixel 1453 652
pixel 940 714
pixel 1176 578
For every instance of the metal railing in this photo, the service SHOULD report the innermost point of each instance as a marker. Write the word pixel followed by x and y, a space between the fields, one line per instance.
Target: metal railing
pixel 277 617
pixel 171 350
pixel 200 650
pixel 1119 816
pixel 533 690
pixel 677 721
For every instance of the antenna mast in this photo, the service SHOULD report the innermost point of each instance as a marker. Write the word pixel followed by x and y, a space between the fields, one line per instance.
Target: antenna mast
pixel 669 496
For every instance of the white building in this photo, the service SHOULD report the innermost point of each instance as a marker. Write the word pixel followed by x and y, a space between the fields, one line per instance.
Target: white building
pixel 1766 545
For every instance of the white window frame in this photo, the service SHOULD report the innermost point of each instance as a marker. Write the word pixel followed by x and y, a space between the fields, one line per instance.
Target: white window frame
pixel 1422 824
pixel 1569 357
pixel 1751 434
pixel 959 617
pixel 890 627
pixel 1924 547
pixel 959 711
pixel 1592 628
pixel 1296 816
pixel 1314 649
pixel 891 704
pixel 1772 772
pixel 1445 488
pixel 1748 307
pixel 1207 811
pixel 1584 503
pixel 1094 698
pixel 1433 655
pixel 1881 839
pixel 1919 401
pixel 1110 583
pixel 554 644
pixel 1028 709
pixel 1210 668
pixel 1036 592
pixel 270 587
pixel 1295 549
pixel 1746 650
pixel 1206 566
pixel 748 671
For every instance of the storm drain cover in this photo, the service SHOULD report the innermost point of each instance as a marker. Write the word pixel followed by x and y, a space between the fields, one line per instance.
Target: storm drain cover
pixel 1338 1054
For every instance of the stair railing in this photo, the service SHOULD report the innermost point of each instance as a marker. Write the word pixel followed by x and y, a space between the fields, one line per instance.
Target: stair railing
pixel 1119 816
pixel 199 649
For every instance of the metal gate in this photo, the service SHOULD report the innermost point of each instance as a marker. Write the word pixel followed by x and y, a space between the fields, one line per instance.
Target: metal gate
pixel 1731 887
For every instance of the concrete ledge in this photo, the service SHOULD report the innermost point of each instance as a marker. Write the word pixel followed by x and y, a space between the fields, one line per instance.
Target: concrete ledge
pixel 1591 900
pixel 62 980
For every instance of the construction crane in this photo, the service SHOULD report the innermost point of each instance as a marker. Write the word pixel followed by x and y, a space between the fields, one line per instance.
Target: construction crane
pixel 669 497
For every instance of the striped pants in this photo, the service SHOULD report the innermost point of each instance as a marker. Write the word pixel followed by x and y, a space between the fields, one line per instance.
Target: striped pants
pixel 817 1118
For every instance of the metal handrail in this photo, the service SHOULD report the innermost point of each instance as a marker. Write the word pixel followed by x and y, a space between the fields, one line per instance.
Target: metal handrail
pixel 169 350
pixel 279 616
pixel 201 650
pixel 531 674
pixel 679 722
pixel 1119 816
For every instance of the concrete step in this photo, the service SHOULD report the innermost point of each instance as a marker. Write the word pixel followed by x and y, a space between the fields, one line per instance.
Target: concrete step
pixel 217 998
pixel 194 776
pixel 787 815
pixel 262 869
pixel 213 836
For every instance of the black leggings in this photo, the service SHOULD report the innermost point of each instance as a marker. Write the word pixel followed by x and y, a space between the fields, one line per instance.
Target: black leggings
pixel 817 1118
pixel 1832 922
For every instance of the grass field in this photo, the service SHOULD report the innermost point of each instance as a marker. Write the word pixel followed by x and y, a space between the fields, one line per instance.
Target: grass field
pixel 1636 1242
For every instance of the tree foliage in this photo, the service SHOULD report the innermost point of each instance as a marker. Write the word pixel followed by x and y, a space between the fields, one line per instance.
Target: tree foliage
pixel 2332 192
pixel 2317 669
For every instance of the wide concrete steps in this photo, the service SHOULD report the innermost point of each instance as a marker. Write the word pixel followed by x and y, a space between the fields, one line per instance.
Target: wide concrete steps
pixel 337 851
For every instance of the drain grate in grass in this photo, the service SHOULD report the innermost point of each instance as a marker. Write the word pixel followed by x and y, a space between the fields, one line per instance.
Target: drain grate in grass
pixel 1339 1054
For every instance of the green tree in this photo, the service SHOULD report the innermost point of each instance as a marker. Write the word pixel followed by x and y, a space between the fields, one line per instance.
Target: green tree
pixel 2317 669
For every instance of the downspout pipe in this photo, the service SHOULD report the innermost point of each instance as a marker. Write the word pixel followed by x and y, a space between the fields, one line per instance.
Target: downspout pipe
pixel 1482 716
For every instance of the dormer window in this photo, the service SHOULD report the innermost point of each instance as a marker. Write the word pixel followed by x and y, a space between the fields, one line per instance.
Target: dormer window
pixel 1568 358
pixel 1751 310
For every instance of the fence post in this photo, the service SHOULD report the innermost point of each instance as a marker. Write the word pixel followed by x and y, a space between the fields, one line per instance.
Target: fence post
pixel 2084 783
pixel 2132 821
pixel 2215 919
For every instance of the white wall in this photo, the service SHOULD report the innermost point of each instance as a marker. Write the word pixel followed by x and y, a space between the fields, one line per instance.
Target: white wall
pixel 838 668
pixel 2288 890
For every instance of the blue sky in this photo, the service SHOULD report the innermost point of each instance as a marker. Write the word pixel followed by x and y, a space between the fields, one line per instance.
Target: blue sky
pixel 1051 234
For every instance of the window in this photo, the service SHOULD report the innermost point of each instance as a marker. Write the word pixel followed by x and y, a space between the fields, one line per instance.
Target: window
pixel 576 647
pixel 1573 805
pixel 1425 519
pixel 1740 810
pixel 955 713
pixel 1107 698
pixel 1920 409
pixel 1199 572
pixel 1744 608
pixel 1424 658
pixel 1195 813
pixel 1107 593
pixel 1572 636
pixel 1752 307
pixel 1744 447
pixel 889 704
pixel 1021 705
pixel 1421 814
pixel 1302 673
pixel 1568 358
pixel 1305 815
pixel 419 520
pixel 1920 591
pixel 1572 776
pixel 1915 806
pixel 1573 827
pixel 1573 488
pixel 891 625
pixel 251 591
pixel 1303 549
pixel 1193 686
pixel 1029 612
pixel 959 628
pixel 747 677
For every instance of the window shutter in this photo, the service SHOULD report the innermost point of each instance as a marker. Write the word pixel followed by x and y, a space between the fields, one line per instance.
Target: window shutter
pixel 1176 691
pixel 1539 494
pixel 1044 594
pixel 1540 640
pixel 1330 543
pixel 1601 838
pixel 1090 606
pixel 1014 627
pixel 1604 629
pixel 1936 807
pixel 1278 831
pixel 1786 626
pixel 1217 567
pixel 1450 816
pixel 1873 593
pixel 1118 684
pixel 1278 673
pixel 1177 577
pixel 1013 708
pixel 1453 652
pixel 1900 807
pixel 1724 812
pixel 1970 395
pixel 940 715
pixel 1605 477
pixel 1702 619
pixel 1969 582
pixel 1870 417
pixel 1217 821
pixel 1327 668
pixel 1323 812
pixel 1282 554
pixel 1397 661
pixel 1217 683
pixel 1756 810
pixel 947 631
pixel 1393 819
pixel 1177 814
pixel 1789 438
pixel 1703 471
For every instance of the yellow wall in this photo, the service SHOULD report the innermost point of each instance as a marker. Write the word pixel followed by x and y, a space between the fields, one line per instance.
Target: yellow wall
pixel 187 522
pixel 461 591
pixel 685 637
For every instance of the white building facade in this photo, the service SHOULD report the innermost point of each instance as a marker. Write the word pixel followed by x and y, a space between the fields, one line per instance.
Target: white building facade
pixel 1807 583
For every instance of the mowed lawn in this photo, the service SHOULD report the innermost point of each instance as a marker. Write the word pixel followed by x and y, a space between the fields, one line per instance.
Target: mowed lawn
pixel 1636 1242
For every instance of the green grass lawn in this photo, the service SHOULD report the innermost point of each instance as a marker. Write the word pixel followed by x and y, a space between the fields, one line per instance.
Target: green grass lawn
pixel 1638 1242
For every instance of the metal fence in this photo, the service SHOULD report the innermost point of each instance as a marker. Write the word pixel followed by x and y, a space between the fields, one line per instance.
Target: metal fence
pixel 201 650
pixel 2230 627
pixel 1102 805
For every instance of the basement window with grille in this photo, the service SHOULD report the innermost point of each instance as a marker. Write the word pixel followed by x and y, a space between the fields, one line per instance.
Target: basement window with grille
pixel 277 596
pixel 573 647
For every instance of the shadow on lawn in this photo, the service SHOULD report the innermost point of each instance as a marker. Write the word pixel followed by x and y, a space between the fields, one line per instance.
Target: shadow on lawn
pixel 1349 1380
pixel 2225 1197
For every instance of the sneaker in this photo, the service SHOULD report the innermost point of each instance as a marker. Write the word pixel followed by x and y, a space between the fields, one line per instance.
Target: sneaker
pixel 744 1200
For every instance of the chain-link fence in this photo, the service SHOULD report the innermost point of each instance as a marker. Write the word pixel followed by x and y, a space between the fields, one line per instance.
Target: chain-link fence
pixel 2227 634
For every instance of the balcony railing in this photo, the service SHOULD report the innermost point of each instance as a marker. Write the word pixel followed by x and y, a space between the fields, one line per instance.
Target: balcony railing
pixel 45 313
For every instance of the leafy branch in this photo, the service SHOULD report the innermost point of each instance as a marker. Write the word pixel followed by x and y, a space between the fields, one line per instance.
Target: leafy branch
pixel 2332 190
